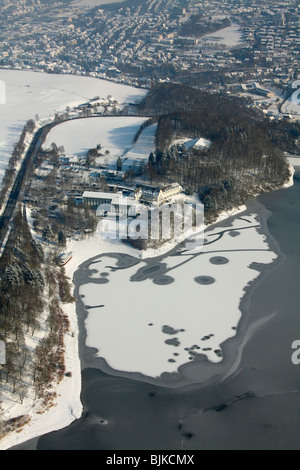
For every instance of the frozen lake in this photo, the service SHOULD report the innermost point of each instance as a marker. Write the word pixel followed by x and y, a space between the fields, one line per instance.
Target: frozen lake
pixel 153 316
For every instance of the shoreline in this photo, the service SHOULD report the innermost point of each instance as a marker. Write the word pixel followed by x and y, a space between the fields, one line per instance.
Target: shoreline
pixel 187 373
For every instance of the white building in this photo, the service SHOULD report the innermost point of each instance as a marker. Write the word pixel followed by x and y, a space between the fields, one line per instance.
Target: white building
pixel 111 203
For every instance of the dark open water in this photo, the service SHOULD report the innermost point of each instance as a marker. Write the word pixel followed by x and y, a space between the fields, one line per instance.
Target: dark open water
pixel 253 403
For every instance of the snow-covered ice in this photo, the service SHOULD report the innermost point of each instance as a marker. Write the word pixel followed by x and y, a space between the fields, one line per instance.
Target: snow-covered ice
pixel 200 298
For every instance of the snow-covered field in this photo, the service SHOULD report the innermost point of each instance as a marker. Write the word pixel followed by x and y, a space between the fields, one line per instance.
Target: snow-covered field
pixel 230 37
pixel 115 134
pixel 196 295
pixel 140 151
pixel 31 93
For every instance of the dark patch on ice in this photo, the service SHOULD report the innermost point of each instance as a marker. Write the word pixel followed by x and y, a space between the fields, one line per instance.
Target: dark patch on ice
pixel 173 342
pixel 89 307
pixel 102 280
pixel 205 280
pixel 95 262
pixel 151 269
pixel 207 337
pixel 93 271
pixel 219 260
pixel 169 330
pixel 156 272
pixel 246 220
pixel 234 233
pixel 163 281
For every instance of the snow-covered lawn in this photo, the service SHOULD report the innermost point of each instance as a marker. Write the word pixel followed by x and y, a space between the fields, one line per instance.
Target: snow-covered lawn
pixel 115 134
pixel 230 36
pixel 31 93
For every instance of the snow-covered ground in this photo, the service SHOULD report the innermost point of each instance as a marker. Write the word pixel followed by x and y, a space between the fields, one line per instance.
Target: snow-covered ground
pixel 115 134
pixel 230 36
pixel 140 151
pixel 29 94
pixel 67 405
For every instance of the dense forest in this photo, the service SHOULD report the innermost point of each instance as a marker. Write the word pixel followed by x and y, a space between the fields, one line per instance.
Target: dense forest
pixel 246 155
